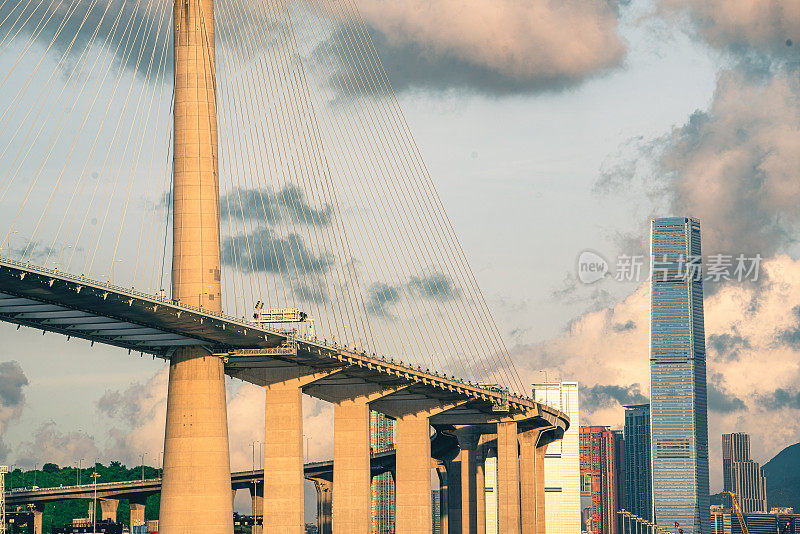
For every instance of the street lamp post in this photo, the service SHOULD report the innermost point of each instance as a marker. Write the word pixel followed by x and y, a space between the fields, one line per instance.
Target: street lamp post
pixel 95 476
pixel 143 454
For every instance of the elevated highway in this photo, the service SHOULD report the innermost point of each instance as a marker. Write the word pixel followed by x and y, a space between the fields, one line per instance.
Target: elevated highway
pixel 355 382
pixel 53 301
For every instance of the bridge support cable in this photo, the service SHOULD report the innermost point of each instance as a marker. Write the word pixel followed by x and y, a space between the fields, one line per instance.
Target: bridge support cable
pixel 353 82
pixel 325 204
pixel 425 339
pixel 450 241
pixel 379 156
pixel 130 44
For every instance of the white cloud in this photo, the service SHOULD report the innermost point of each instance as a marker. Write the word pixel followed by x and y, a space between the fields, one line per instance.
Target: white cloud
pixel 733 166
pixel 595 352
pixel 138 416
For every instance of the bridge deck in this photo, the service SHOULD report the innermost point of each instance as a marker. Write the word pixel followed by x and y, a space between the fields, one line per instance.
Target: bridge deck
pixel 54 301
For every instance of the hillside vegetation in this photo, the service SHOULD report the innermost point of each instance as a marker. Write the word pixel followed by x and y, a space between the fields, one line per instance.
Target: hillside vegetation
pixel 63 512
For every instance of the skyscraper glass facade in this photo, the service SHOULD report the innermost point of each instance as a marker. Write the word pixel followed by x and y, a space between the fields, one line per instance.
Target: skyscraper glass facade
pixel 638 484
pixel 678 405
pixel 741 475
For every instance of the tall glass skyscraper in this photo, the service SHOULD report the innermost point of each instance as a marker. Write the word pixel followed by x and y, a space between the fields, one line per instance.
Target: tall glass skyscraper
pixel 741 475
pixel 638 484
pixel 679 414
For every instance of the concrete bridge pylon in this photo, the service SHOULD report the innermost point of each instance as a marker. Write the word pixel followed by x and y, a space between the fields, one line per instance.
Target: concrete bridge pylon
pixel 196 489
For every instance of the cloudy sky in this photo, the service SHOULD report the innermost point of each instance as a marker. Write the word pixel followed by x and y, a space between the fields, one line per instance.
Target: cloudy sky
pixel 549 128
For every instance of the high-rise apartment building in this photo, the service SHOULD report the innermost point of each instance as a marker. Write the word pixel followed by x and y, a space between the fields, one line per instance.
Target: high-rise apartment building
pixel 741 475
pixel 381 438
pixel 599 451
pixel 678 404
pixel 619 462
pixel 638 484
pixel 562 470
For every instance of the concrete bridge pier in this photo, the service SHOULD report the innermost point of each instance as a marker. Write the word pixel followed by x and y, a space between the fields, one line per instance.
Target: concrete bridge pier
pixel 508 478
pixel 532 481
pixel 480 486
pixel 444 497
pixel 324 502
pixel 38 512
pixel 283 447
pixel 108 509
pixel 413 460
pixel 452 476
pixel 468 442
pixel 352 474
pixel 351 466
pixel 257 506
pixel 413 486
pixel 137 510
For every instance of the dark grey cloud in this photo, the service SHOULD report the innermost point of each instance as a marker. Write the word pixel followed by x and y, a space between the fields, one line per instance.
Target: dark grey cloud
pixel 603 396
pixel 263 250
pixel 791 336
pixel 290 204
pixel 498 48
pixel 726 347
pixel 624 327
pixel 124 28
pixel 122 405
pixel 591 296
pixel 780 399
pixel 412 68
pixel 381 297
pixel 12 382
pixel 433 286
pixel 719 400
pixel 12 398
pixel 315 292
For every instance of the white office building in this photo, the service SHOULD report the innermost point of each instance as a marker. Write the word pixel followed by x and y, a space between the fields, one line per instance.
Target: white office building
pixel 562 475
pixel 490 487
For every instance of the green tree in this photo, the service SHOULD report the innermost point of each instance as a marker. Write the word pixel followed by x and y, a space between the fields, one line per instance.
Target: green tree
pixel 62 513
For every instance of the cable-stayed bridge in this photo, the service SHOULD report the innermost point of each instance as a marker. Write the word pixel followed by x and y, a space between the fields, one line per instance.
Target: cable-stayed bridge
pixel 261 149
